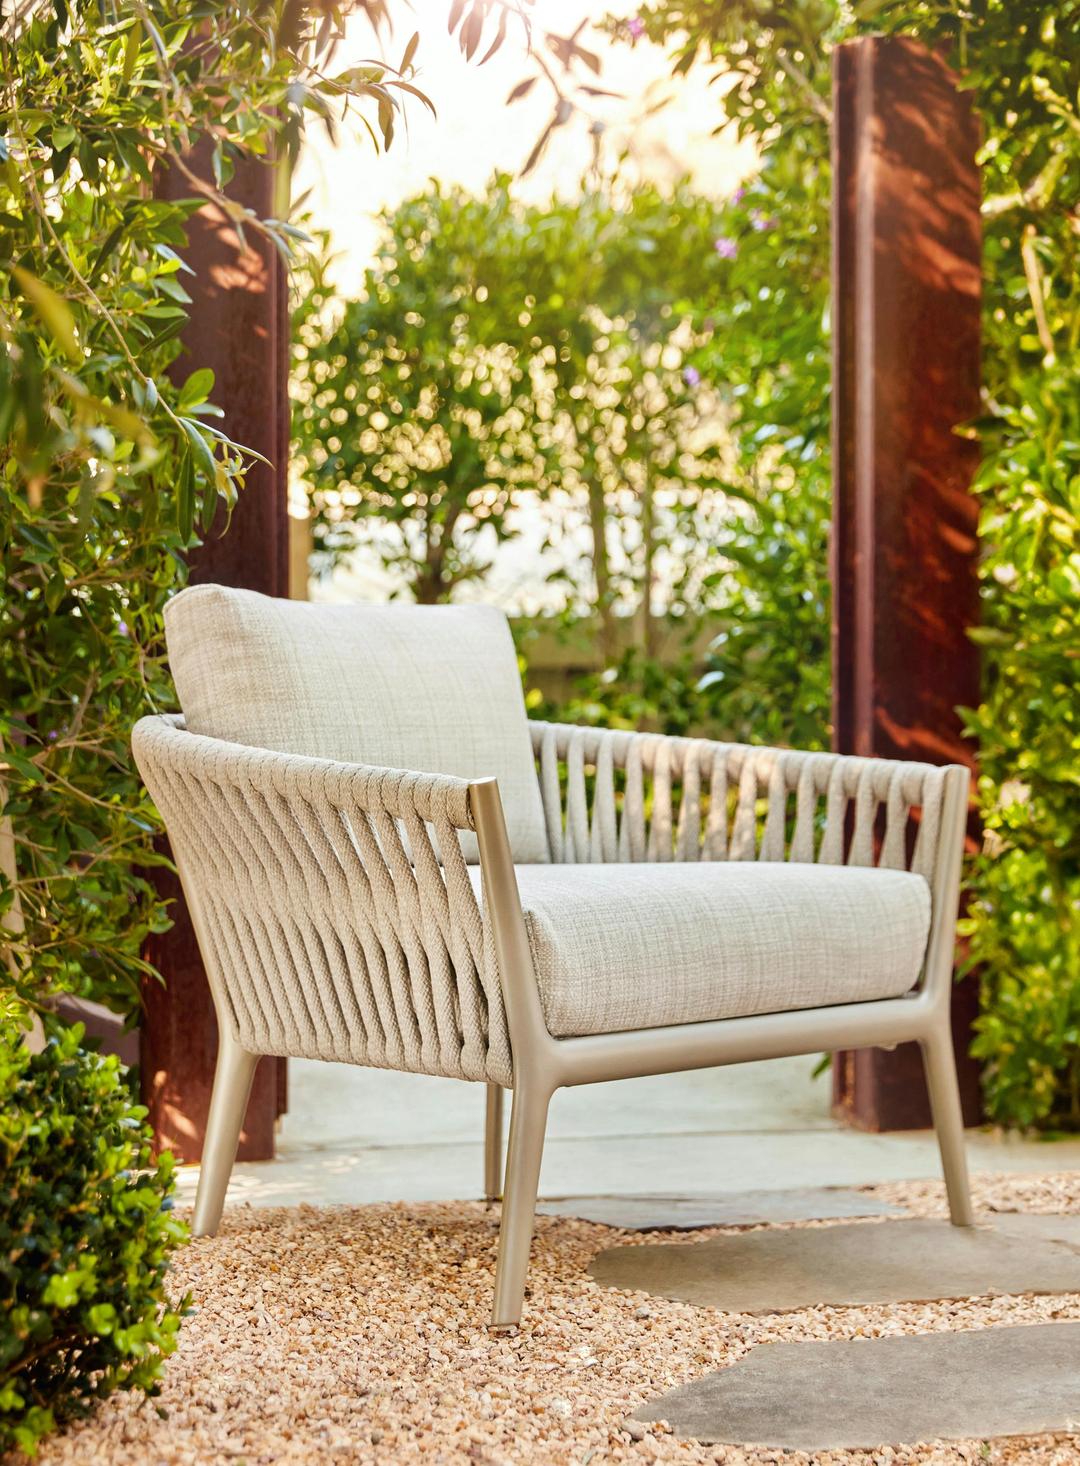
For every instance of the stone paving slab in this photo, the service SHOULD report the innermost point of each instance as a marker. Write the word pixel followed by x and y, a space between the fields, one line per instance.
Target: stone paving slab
pixel 902 1390
pixel 729 1209
pixel 908 1260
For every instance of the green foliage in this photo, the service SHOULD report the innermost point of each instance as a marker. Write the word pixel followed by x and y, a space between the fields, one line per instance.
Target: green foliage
pixel 768 677
pixel 1021 61
pixel 499 352
pixel 112 458
pixel 1024 925
pixel 412 416
pixel 582 360
pixel 659 693
pixel 85 1238
pixel 757 571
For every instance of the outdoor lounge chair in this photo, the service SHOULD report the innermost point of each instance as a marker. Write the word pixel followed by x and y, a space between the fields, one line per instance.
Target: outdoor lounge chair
pixel 388 864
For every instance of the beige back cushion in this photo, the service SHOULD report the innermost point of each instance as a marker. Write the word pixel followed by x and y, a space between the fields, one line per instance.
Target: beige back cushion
pixel 430 688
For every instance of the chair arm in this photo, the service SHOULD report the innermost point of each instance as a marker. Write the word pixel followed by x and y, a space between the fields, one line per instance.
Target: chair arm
pixel 165 741
pixel 656 797
pixel 332 902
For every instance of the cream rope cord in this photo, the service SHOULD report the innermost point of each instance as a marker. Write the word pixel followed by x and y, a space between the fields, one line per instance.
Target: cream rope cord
pixel 676 801
pixel 334 906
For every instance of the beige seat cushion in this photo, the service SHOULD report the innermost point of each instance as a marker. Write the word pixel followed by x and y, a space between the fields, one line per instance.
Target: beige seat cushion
pixel 639 946
pixel 430 688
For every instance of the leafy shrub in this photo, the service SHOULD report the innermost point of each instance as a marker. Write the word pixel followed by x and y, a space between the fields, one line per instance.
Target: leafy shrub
pixel 85 1238
pixel 1024 922
pixel 758 576
pixel 766 353
pixel 112 461
pixel 1021 63
pixel 637 692
pixel 768 678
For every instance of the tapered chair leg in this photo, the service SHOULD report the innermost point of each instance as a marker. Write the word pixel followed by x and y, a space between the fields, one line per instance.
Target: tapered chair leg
pixel 940 1065
pixel 228 1104
pixel 528 1121
pixel 493 1143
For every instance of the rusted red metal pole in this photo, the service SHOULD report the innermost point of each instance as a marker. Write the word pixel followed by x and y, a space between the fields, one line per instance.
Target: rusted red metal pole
pixel 239 328
pixel 906 367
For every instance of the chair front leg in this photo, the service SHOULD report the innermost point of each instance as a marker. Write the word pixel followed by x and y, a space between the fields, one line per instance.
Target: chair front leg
pixel 228 1105
pixel 528 1123
pixel 536 1065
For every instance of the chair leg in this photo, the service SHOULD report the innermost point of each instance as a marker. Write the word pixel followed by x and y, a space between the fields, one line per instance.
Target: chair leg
pixel 528 1121
pixel 493 1143
pixel 940 1065
pixel 228 1103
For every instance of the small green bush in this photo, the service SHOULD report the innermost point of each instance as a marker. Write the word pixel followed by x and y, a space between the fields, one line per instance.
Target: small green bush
pixel 85 1238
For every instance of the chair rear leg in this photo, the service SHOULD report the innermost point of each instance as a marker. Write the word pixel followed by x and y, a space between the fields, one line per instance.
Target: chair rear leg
pixel 939 1063
pixel 528 1122
pixel 493 1143
pixel 228 1103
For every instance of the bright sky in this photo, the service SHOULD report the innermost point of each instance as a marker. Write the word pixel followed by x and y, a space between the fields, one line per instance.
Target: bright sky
pixel 477 133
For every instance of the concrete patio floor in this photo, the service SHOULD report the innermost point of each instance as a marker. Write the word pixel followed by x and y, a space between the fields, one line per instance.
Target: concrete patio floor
pixel 361 1135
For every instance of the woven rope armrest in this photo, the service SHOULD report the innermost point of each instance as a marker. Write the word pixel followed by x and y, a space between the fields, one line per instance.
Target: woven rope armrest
pixel 333 904
pixel 655 797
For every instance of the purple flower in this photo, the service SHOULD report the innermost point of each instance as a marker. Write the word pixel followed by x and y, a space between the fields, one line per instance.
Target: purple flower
pixel 759 221
pixel 726 247
pixel 636 26
pixel 122 627
pixel 739 194
pixel 53 735
pixel 691 376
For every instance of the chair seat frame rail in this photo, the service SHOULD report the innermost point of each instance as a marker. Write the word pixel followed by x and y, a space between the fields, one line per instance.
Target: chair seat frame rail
pixel 336 920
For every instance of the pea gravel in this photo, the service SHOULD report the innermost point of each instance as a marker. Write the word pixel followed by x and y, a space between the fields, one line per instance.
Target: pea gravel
pixel 357 1334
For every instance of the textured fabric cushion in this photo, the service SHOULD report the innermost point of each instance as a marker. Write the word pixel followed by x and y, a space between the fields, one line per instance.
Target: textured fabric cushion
pixel 430 688
pixel 640 946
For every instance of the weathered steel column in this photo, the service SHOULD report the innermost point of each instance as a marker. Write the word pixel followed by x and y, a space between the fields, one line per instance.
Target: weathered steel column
pixel 906 358
pixel 239 328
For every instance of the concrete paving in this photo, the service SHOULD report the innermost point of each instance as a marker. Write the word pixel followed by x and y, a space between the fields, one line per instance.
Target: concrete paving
pixel 906 1261
pixel 890 1391
pixel 362 1135
pixel 737 1209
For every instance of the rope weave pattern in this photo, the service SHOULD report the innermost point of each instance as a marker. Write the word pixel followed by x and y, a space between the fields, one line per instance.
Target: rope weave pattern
pixel 336 915
pixel 693 799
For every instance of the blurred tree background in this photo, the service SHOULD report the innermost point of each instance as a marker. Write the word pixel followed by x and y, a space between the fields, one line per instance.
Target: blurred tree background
pixel 553 368
pixel 645 373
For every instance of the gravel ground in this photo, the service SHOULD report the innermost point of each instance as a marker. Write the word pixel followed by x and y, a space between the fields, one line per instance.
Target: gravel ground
pixel 357 1334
